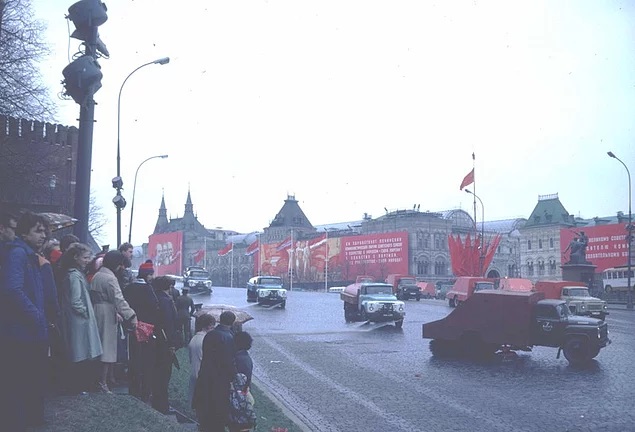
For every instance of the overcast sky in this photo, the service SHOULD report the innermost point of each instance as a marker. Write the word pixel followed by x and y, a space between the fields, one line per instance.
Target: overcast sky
pixel 357 106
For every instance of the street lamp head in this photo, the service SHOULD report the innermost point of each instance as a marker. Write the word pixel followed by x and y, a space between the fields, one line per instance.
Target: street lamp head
pixel 163 156
pixel 610 153
pixel 468 191
pixel 162 61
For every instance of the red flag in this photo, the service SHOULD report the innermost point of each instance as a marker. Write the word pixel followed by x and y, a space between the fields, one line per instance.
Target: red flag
pixel 468 180
pixel 284 244
pixel 252 248
pixel 199 255
pixel 227 249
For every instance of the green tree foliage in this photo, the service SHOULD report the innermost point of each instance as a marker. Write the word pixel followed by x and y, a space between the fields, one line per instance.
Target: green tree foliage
pixel 22 93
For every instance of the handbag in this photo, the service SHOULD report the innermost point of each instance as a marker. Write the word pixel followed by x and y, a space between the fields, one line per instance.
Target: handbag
pixel 143 332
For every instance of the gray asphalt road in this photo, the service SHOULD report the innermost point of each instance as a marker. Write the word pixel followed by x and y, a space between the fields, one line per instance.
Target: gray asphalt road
pixel 349 377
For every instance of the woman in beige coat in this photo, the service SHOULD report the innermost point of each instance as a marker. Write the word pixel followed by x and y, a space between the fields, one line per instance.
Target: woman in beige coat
pixel 109 303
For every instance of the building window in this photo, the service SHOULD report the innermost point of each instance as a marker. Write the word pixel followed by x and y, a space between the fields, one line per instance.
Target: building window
pixel 552 266
pixel 528 244
pixel 439 268
pixel 423 267
pixel 419 240
pixel 539 243
pixel 426 241
pixel 437 241
pixel 551 243
pixel 511 270
pixel 541 268
pixel 530 268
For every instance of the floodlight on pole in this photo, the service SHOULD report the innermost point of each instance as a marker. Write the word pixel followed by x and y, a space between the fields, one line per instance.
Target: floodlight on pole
pixel 629 237
pixel 134 189
pixel 118 198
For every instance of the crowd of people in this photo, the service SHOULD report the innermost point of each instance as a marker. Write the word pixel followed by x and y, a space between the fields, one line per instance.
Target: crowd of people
pixel 64 314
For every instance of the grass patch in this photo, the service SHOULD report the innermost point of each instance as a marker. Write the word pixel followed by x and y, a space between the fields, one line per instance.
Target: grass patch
pixel 98 412
pixel 270 416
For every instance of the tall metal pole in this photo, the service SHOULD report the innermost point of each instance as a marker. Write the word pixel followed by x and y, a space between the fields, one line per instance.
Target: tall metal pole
pixel 134 189
pixel 482 254
pixel 326 261
pixel 161 61
pixel 85 153
pixel 629 237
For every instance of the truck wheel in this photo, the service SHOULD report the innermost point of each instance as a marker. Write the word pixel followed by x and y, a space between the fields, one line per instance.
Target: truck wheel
pixel 418 297
pixel 283 304
pixel 399 324
pixel 451 302
pixel 577 350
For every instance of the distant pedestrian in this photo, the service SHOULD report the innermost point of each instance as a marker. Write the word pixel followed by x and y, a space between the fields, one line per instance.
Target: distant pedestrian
pixel 24 325
pixel 184 310
pixel 126 277
pixel 203 324
pixel 167 344
pixel 110 309
pixel 78 315
pixel 211 395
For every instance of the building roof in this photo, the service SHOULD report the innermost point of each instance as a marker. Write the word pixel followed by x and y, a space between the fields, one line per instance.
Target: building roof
pixel 549 211
pixel 504 226
pixel 291 216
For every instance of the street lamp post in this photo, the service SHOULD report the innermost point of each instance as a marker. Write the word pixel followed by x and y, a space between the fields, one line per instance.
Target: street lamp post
pixel 629 236
pixel 134 189
pixel 482 254
pixel 119 202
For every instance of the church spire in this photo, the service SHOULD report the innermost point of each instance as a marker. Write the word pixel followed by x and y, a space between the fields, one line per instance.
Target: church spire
pixel 162 221
pixel 189 208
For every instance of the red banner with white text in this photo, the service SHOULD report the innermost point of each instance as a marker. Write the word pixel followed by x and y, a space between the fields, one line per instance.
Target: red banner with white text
pixel 376 255
pixel 607 245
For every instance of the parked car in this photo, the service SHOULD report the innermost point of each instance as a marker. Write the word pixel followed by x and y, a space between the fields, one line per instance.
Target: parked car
pixel 266 290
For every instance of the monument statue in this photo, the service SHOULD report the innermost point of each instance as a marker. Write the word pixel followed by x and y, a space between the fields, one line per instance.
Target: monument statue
pixel 577 248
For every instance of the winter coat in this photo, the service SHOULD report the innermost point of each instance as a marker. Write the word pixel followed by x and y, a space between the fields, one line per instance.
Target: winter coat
pixel 211 395
pixel 25 295
pixel 108 301
pixel 82 333
pixel 141 297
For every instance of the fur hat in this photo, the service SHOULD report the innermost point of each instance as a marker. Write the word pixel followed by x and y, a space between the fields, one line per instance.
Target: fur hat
pixel 146 269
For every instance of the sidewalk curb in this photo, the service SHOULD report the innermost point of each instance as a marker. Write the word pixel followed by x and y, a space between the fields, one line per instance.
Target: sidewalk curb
pixel 283 407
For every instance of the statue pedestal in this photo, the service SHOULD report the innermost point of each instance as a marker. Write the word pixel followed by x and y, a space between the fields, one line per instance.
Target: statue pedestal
pixel 584 273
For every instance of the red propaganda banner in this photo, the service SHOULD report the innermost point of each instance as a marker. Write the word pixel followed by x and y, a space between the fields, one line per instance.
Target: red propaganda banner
pixel 165 251
pixel 607 245
pixel 376 255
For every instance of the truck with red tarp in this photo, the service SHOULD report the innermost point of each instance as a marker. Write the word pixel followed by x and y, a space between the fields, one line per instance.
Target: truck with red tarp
pixel 465 286
pixel 491 320
pixel 404 286
pixel 577 296
pixel 373 302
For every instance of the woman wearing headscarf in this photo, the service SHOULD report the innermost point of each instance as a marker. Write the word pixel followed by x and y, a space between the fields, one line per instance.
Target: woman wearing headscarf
pixel 82 333
pixel 109 305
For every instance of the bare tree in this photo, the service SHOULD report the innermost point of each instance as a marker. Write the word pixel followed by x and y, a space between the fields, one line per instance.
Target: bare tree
pixel 22 93
pixel 96 219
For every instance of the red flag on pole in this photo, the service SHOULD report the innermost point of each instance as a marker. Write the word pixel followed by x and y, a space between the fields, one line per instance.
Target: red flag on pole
pixel 468 180
pixel 199 255
pixel 227 249
pixel 252 248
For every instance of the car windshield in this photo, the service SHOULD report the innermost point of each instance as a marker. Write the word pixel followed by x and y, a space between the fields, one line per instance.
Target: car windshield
pixel 579 292
pixel 270 281
pixel 408 282
pixel 199 275
pixel 563 310
pixel 378 289
pixel 479 286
